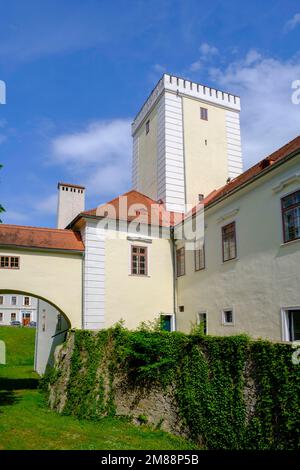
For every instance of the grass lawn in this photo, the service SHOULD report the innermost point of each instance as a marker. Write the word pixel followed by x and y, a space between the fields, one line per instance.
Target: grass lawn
pixel 27 423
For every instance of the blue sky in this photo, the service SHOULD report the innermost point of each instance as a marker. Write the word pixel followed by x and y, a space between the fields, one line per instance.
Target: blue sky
pixel 77 72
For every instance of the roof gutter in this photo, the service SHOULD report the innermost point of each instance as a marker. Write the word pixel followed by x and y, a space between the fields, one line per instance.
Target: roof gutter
pixel 35 248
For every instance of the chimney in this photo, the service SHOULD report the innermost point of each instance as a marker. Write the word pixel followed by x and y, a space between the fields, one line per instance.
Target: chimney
pixel 70 203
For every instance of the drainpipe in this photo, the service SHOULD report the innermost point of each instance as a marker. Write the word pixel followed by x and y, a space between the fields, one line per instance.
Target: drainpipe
pixel 83 290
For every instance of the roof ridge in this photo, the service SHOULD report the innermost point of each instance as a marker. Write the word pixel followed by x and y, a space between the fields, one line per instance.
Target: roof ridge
pixel 29 227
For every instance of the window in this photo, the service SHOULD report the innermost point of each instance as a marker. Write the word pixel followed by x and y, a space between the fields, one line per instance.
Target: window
pixel 139 260
pixel 1 316
pixel 200 258
pixel 13 300
pixel 166 322
pixel 293 321
pixel 181 308
pixel 204 114
pixel 291 216
pixel 1 299
pixel 202 322
pixel 227 317
pixel 229 241
pixel 180 261
pixel 147 127
pixel 27 301
pixel 13 316
pixel 9 262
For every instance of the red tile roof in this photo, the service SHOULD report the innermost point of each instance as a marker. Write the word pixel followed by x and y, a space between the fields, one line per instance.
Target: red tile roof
pixel 259 168
pixel 138 205
pixel 37 237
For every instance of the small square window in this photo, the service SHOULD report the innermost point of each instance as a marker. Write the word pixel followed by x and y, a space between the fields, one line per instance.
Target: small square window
pixel 147 127
pixel 181 308
pixel 204 114
pixel 228 317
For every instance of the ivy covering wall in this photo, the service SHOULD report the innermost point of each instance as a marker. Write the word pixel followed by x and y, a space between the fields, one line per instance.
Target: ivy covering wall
pixel 231 392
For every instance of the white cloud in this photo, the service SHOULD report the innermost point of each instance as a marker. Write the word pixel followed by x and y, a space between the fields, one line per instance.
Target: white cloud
pixel 100 154
pixel 207 53
pixel 159 68
pixel 269 119
pixel 207 50
pixel 292 23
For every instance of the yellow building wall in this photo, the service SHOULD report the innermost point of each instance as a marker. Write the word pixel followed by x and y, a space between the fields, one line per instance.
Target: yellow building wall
pixel 206 166
pixel 137 299
pixel 54 277
pixel 263 279
pixel 147 160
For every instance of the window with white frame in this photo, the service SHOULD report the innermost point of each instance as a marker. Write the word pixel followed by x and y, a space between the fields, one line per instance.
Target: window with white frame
pixel 26 301
pixel 13 300
pixel 13 316
pixel 290 206
pixel 139 260
pixel 291 324
pixel 227 316
pixel 229 241
pixel 1 299
pixel 9 262
pixel 1 316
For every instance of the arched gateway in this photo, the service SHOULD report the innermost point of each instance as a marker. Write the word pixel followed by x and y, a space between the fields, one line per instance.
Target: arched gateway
pixel 46 264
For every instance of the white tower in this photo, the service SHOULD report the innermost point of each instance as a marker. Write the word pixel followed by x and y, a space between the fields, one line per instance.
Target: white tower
pixel 71 201
pixel 186 142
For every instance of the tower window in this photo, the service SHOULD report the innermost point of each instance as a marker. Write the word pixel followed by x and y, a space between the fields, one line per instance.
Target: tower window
pixel 204 114
pixel 147 127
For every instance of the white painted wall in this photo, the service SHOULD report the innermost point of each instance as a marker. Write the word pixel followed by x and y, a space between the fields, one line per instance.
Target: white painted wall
pixel 265 277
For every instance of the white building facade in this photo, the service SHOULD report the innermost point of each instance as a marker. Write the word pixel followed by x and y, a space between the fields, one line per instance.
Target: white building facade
pixel 15 307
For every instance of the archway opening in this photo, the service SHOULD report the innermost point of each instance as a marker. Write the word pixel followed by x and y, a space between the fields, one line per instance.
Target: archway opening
pixel 49 324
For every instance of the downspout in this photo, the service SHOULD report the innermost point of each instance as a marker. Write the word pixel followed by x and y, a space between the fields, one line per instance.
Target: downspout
pixel 82 288
pixel 174 276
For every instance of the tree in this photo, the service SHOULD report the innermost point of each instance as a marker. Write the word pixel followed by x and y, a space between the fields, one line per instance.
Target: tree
pixel 1 207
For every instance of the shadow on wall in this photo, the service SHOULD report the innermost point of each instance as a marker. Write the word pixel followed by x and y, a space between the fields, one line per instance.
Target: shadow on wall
pixel 52 328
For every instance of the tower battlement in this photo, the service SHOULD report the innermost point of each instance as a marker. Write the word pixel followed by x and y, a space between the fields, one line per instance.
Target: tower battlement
pixel 186 87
